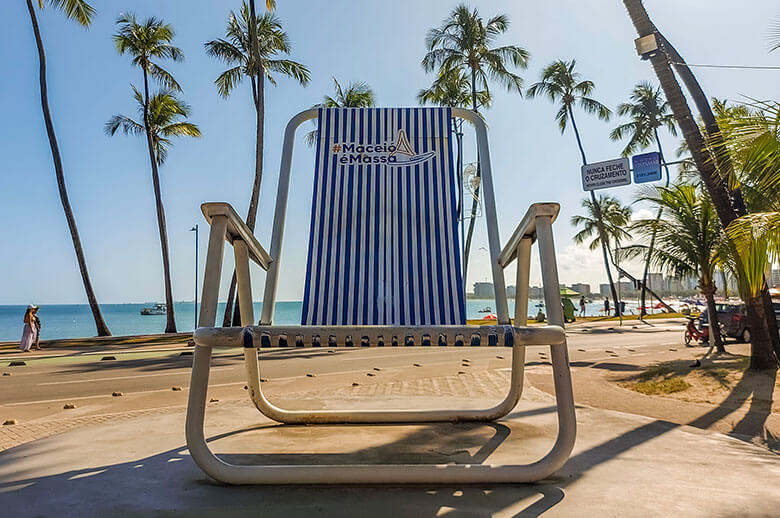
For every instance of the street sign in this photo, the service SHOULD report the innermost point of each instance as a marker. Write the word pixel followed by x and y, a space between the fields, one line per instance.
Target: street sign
pixel 647 167
pixel 601 175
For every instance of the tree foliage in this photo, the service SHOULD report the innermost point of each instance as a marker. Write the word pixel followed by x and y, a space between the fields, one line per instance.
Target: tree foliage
pixel 235 50
pixel 648 111
pixel 167 119
pixel 559 82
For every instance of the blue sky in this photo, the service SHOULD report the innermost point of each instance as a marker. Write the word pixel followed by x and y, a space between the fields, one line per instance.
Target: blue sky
pixel 377 42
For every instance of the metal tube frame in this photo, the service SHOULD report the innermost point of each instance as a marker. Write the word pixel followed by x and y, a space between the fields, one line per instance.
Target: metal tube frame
pixel 395 416
pixel 370 474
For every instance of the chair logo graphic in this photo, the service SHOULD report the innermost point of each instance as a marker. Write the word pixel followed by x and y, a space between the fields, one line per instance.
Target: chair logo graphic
pixel 394 154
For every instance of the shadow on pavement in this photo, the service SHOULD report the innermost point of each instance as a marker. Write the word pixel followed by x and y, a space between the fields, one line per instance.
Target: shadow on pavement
pixel 170 484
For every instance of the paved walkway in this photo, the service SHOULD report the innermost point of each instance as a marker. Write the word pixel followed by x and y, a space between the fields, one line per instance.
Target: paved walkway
pixel 138 465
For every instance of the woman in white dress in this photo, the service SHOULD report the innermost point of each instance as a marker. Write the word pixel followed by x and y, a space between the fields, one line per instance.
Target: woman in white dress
pixel 30 332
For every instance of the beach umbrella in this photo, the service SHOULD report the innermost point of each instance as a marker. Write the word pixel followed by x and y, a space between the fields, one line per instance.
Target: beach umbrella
pixel 568 293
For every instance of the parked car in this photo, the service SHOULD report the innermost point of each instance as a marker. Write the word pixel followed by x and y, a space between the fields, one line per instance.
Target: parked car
pixel 733 318
pixel 776 304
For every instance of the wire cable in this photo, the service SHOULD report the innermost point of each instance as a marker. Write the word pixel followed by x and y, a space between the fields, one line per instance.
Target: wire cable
pixel 750 67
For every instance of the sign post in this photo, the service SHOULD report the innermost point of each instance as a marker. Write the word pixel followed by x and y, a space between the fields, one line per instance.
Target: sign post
pixel 602 175
pixel 647 167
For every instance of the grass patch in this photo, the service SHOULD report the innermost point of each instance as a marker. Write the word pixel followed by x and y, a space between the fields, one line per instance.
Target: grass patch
pixel 654 372
pixel 663 386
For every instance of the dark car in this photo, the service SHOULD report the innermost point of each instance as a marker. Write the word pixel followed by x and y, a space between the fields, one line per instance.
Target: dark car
pixel 733 318
pixel 777 311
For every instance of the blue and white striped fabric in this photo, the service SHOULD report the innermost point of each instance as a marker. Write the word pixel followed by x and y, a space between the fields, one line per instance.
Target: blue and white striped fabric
pixel 383 246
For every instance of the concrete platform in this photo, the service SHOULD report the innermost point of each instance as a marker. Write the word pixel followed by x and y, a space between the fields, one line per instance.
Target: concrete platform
pixel 622 465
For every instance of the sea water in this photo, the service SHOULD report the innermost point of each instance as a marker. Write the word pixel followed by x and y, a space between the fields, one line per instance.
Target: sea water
pixel 75 320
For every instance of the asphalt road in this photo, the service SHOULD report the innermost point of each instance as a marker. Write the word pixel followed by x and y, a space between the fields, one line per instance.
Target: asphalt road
pixel 147 377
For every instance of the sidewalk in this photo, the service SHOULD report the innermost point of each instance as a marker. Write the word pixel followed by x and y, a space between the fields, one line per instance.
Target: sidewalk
pixel 622 464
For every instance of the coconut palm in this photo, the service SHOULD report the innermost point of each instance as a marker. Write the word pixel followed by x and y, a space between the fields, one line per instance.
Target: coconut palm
pixel 561 84
pixel 166 119
pixel 648 111
pixel 162 117
pixel 464 42
pixel 357 94
pixel 752 133
pixel 774 36
pixel 712 163
pixel 752 136
pixel 82 13
pixel 147 42
pixel 688 237
pixel 255 51
pixel 452 88
pixel 605 221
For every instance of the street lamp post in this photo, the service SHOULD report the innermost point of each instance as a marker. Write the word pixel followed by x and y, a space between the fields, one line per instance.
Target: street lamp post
pixel 195 229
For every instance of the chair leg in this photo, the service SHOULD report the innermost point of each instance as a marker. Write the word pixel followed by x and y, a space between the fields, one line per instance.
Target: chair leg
pixel 228 473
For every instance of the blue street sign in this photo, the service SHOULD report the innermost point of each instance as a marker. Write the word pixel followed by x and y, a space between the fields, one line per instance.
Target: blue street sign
pixel 647 167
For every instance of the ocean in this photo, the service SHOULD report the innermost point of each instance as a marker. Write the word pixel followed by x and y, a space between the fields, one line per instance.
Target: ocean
pixel 75 320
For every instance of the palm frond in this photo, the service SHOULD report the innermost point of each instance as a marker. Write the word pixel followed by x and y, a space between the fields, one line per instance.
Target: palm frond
pixel 756 238
pixel 289 68
pixel 228 80
pixel 594 107
pixel 180 129
pixel 164 77
pixel 774 36
pixel 126 124
pixel 226 51
pixel 77 10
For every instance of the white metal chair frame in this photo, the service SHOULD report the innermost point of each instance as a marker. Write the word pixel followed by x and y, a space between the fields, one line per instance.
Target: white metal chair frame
pixel 226 225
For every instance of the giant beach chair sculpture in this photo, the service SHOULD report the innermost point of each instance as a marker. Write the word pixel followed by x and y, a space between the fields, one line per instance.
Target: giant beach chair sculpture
pixel 383 271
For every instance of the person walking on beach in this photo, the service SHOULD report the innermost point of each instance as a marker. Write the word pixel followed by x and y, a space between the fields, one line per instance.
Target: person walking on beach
pixel 606 306
pixel 31 326
pixel 37 326
pixel 582 306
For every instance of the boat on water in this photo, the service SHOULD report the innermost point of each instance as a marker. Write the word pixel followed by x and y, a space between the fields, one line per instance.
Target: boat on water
pixel 486 309
pixel 158 309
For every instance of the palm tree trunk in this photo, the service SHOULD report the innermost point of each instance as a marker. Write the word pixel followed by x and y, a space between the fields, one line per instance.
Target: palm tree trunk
pixel 100 324
pixel 643 310
pixel 764 346
pixel 708 290
pixel 605 255
pixel 170 324
pixel 475 202
pixel 597 210
pixel 724 164
pixel 258 95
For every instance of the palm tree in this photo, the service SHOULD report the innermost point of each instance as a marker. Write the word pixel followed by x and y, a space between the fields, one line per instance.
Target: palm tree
pixel 689 238
pixel 562 84
pixel 605 221
pixel 713 166
pixel 357 94
pixel 464 43
pixel 648 111
pixel 82 13
pixel 452 88
pixel 166 119
pixel 253 50
pixel 774 36
pixel 145 41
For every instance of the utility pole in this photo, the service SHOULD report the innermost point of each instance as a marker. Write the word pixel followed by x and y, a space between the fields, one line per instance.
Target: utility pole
pixel 195 229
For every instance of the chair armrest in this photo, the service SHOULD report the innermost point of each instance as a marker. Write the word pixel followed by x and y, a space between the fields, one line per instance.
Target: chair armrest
pixel 237 229
pixel 527 228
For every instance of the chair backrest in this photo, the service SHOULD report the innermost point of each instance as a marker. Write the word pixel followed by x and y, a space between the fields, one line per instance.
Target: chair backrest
pixel 384 247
